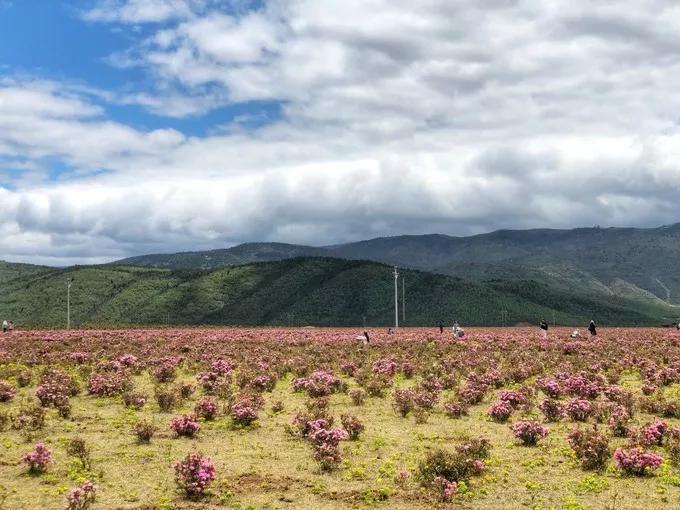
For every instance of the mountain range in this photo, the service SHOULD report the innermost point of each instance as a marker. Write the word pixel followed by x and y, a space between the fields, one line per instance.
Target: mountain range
pixel 621 276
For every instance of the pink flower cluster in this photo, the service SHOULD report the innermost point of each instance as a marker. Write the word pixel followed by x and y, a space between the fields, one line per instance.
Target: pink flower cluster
pixel 318 384
pixel 81 497
pixel 206 408
pixel 654 433
pixel 385 366
pixel 499 412
pixel 325 441
pixel 636 461
pixel 245 410
pixel 447 488
pixel 37 459
pixel 194 474
pixel 185 425
pixel 529 432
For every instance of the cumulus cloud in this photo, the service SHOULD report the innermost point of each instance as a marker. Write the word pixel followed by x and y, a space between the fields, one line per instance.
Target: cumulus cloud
pixel 398 117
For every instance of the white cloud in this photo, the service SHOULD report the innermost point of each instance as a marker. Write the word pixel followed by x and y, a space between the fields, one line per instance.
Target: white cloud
pixel 430 115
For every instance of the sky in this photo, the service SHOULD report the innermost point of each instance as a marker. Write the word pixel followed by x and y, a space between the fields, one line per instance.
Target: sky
pixel 151 126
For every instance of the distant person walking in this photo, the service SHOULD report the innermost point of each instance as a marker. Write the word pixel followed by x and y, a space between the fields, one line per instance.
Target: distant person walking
pixel 544 328
pixel 592 329
pixel 5 326
pixel 368 340
pixel 441 328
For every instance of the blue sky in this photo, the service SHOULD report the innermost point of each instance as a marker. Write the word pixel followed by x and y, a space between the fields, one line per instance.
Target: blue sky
pixel 136 126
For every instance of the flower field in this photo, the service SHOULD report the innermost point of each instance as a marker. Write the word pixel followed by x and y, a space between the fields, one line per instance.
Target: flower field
pixel 311 418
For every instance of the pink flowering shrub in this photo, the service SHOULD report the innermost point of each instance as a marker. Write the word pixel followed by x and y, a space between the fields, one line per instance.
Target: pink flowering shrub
pixel 81 497
pixel 408 369
pixel 144 430
pixel 513 398
pixel 108 384
pixel 455 409
pixel 529 432
pixel 79 357
pixel 403 401
pixel 318 384
pixel 385 366
pixel 357 395
pixel 552 409
pixel 549 386
pixel 446 488
pixel 653 434
pixel 194 474
pixel 472 393
pixel 37 459
pixel 636 461
pixel 245 410
pixel 134 399
pixel 326 441
pixel 673 445
pixel 578 409
pixel 185 425
pixel 618 421
pixel 590 447
pixel 499 412
pixel 352 425
pixel 206 408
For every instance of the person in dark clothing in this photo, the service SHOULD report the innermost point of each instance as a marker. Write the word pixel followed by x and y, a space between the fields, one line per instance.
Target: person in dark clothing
pixel 441 328
pixel 592 328
pixel 544 327
pixel 368 340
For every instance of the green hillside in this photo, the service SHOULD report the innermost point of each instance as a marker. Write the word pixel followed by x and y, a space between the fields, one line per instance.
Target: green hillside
pixel 643 263
pixel 301 291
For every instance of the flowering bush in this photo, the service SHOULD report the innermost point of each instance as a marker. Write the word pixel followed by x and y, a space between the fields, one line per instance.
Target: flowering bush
pixel 206 408
pixel 194 474
pixel 513 398
pixel 81 497
pixel 357 395
pixel 636 461
pixel 166 398
pixel 552 409
pixel 108 384
pixel 352 426
pixel 186 389
pixel 77 447
pixel 185 425
pixel 446 488
pixel 499 412
pixel 472 393
pixel 245 410
pixel 653 433
pixel 549 386
pixel 7 391
pixel 166 371
pixel 134 399
pixel 618 421
pixel 38 459
pixel 529 432
pixel 673 445
pixel 455 409
pixel 590 447
pixel 144 430
pixel 578 409
pixel 326 441
pixel 319 384
pixel 403 402
pixel 408 369
pixel 385 366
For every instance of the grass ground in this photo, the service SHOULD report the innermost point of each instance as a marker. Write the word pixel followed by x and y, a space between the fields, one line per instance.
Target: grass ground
pixel 265 467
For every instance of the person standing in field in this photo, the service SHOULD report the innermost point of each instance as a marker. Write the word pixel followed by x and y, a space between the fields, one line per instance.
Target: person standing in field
pixel 368 340
pixel 592 329
pixel 441 328
pixel 5 326
pixel 544 328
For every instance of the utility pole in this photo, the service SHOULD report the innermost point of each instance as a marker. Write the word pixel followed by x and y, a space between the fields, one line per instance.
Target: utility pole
pixel 69 281
pixel 403 300
pixel 396 298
